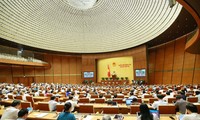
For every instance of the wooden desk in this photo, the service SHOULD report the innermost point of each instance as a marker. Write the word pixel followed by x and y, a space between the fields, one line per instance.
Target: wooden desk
pixel 128 117
pixel 1 111
pixel 8 102
pixel 36 99
pixel 53 116
pixel 49 116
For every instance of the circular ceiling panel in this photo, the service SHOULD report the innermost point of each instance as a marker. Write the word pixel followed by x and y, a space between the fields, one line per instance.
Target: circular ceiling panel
pixel 110 25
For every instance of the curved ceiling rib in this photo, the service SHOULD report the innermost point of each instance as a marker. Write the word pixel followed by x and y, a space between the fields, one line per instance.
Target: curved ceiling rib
pixel 111 25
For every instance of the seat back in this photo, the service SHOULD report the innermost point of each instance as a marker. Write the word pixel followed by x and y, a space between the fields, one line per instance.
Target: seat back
pixel 198 107
pixel 26 104
pixel 94 96
pixel 107 96
pixel 167 109
pixel 171 100
pixel 118 100
pixel 11 97
pixel 59 107
pixel 148 96
pixel 30 99
pixel 64 99
pixel 43 106
pixel 120 96
pixel 99 100
pixel 151 100
pixel 134 109
pixel 84 100
pixel 192 99
pixel 111 110
pixel 41 94
pixel 82 96
pixel 139 100
pixel 49 95
pixel 86 109
pixel 19 97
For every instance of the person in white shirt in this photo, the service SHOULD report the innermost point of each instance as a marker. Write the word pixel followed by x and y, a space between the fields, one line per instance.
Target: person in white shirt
pixel 52 104
pixel 144 93
pixel 198 95
pixel 192 112
pixel 11 113
pixel 167 96
pixel 22 114
pixel 73 103
pixel 159 102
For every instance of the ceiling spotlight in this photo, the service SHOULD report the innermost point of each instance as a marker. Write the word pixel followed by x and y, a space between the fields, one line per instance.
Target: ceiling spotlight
pixel 82 4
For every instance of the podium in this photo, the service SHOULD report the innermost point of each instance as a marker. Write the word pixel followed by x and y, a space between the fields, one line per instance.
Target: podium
pixel 114 77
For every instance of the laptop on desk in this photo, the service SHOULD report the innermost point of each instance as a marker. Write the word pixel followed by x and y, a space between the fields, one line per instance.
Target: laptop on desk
pixel 128 102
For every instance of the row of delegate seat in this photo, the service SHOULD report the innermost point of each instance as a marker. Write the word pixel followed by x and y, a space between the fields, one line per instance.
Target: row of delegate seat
pixel 163 109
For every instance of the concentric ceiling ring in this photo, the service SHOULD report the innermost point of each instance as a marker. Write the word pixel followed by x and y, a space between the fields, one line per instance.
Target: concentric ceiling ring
pixel 110 25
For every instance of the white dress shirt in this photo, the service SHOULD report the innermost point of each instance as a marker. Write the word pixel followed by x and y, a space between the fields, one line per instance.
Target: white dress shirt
pixel 192 116
pixel 52 105
pixel 10 113
pixel 74 104
pixel 157 103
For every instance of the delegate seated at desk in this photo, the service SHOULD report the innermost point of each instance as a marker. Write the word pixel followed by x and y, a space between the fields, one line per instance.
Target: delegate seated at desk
pixel 66 115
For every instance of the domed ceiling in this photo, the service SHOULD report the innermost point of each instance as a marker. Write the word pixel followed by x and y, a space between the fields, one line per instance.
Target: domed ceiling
pixel 110 25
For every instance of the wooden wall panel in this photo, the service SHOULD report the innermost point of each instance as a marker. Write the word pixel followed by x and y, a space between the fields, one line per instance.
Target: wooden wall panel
pixel 176 77
pixel 196 79
pixel 179 67
pixel 167 76
pixel 187 77
pixel 40 75
pixel 179 54
pixel 158 77
pixel 29 71
pixel 6 74
pixel 169 57
pixel 65 69
pixel 151 66
pixel 49 79
pixel 18 71
pixel 57 79
pixel 73 79
pixel 160 59
pixel 57 63
pixel 78 71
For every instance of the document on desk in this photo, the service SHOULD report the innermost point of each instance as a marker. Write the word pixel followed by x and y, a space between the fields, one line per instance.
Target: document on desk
pixel 41 115
pixel 89 117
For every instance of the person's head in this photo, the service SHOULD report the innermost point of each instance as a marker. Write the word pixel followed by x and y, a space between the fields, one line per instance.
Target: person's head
pixel 131 93
pixel 144 108
pixel 134 100
pixel 106 117
pixel 178 97
pixel 16 104
pixel 67 107
pixel 53 97
pixel 118 117
pixel 100 95
pixel 115 95
pixel 145 113
pixel 191 108
pixel 197 92
pixel 70 97
pixel 23 113
pixel 160 96
pixel 109 102
pixel 168 93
